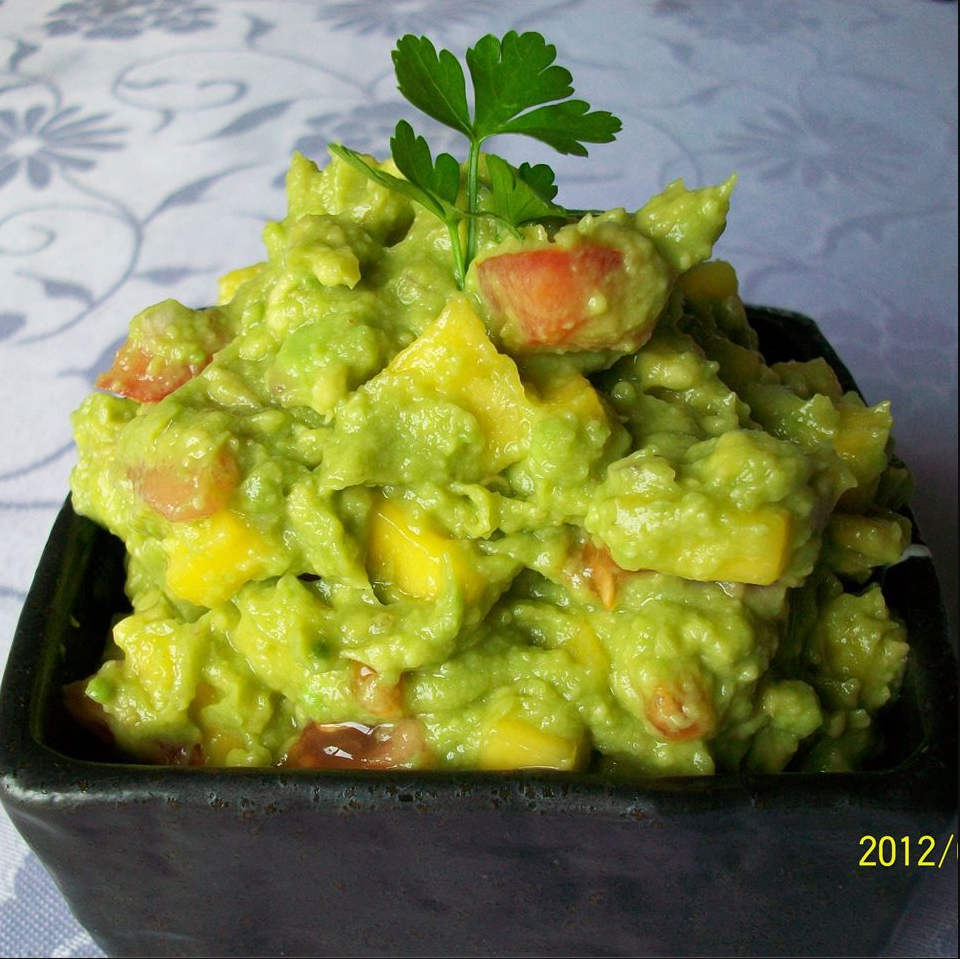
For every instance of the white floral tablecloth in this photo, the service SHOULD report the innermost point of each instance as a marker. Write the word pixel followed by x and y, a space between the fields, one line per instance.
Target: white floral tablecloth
pixel 143 143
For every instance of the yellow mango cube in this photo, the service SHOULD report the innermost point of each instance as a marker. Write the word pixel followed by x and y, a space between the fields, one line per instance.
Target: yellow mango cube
pixel 861 443
pixel 669 369
pixel 406 550
pixel 755 548
pixel 210 559
pixel 862 438
pixel 587 649
pixel 162 657
pixel 229 283
pixel 512 743
pixel 455 358
pixel 572 393
pixel 713 280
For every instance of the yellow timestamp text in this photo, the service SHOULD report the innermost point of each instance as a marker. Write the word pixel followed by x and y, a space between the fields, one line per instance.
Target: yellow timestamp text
pixel 924 851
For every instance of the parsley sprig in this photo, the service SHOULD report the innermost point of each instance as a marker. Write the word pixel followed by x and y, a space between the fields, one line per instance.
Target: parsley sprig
pixel 517 89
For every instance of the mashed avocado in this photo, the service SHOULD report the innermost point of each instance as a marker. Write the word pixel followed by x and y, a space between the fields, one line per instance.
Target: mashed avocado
pixel 565 517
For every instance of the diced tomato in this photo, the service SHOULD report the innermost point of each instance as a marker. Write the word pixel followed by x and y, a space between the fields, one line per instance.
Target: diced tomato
pixel 168 345
pixel 592 568
pixel 132 376
pixel 544 297
pixel 602 573
pixel 680 711
pixel 356 746
pixel 188 490
pixel 375 695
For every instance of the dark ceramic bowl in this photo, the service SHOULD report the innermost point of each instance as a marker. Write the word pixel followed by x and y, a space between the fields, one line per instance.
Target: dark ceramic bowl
pixel 201 862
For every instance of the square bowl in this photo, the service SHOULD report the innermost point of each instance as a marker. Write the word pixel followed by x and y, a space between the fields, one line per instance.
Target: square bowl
pixel 179 861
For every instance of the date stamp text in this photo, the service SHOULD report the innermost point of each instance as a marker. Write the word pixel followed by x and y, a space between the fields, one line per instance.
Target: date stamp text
pixel 886 852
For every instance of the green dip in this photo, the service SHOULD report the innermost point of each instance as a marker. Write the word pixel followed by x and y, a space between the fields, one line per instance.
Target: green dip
pixel 567 517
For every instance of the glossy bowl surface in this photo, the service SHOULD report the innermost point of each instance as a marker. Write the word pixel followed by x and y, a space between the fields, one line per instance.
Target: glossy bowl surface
pixel 173 861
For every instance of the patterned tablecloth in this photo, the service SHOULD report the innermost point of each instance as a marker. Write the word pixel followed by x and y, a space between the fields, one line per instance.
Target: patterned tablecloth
pixel 143 143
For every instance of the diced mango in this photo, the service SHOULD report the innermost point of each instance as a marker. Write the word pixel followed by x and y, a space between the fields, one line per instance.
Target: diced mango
pixel 855 544
pixel 722 543
pixel 863 432
pixel 728 544
pixel 861 443
pixel 164 657
pixel 455 358
pixel 331 266
pixel 737 508
pixel 512 743
pixel 572 393
pixel 229 283
pixel 406 550
pixel 755 550
pixel 669 368
pixel 587 649
pixel 210 559
pixel 713 280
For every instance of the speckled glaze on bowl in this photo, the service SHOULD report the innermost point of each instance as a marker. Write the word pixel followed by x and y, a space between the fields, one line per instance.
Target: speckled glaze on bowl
pixel 210 862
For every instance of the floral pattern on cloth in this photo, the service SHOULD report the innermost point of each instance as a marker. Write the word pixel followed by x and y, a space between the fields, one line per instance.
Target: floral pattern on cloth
pixel 391 20
pixel 42 141
pixel 126 19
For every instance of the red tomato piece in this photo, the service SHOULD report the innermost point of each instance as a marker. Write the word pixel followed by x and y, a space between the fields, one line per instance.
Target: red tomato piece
pixel 544 296
pixel 356 746
pixel 680 711
pixel 188 490
pixel 133 376
pixel 381 700
pixel 168 345
pixel 591 569
pixel 602 573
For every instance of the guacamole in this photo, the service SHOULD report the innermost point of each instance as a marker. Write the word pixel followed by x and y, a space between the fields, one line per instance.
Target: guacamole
pixel 566 517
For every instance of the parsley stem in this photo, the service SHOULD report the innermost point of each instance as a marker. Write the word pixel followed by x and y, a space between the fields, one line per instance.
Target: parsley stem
pixel 473 200
pixel 459 266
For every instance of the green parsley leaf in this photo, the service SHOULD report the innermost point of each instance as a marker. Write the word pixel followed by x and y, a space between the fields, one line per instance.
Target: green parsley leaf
pixel 432 202
pixel 434 185
pixel 515 81
pixel 521 196
pixel 565 126
pixel 412 156
pixel 512 75
pixel 432 82
pixel 517 88
pixel 541 177
pixel 517 73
